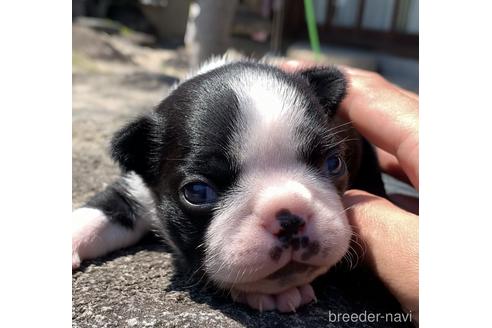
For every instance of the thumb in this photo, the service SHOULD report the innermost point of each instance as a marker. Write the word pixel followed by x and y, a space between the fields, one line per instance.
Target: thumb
pixel 391 239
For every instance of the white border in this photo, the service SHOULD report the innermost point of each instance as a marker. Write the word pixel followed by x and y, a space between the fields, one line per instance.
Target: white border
pixel 455 184
pixel 35 145
pixel 35 141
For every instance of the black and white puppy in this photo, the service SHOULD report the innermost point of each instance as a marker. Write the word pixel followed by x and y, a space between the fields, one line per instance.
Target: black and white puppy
pixel 240 169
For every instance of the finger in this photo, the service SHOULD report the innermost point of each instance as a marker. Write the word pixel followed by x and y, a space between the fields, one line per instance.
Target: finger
pixel 390 165
pixel 386 117
pixel 291 66
pixel 353 71
pixel 409 93
pixel 357 72
pixel 391 237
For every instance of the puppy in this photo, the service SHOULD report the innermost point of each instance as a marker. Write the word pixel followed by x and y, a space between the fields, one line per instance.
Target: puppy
pixel 240 170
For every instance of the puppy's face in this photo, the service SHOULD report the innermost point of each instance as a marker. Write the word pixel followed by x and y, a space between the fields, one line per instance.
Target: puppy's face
pixel 247 164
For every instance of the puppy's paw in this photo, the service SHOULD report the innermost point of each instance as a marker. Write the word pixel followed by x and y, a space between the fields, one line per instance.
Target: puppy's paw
pixel 76 253
pixel 75 260
pixel 77 250
pixel 87 239
pixel 258 301
pixel 287 301
pixel 291 299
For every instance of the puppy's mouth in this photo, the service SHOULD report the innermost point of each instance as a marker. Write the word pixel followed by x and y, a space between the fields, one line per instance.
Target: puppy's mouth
pixel 290 269
pixel 290 275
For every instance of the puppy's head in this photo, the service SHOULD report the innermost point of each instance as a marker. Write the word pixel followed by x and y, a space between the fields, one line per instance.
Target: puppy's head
pixel 247 164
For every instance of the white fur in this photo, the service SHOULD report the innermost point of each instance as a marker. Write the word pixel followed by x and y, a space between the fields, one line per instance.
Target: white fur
pixel 141 192
pixel 93 235
pixel 270 112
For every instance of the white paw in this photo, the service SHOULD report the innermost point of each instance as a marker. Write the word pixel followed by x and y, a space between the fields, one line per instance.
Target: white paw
pixel 286 301
pixel 75 260
pixel 88 239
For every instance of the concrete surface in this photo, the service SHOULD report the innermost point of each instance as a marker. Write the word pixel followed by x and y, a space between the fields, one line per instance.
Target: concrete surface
pixel 138 287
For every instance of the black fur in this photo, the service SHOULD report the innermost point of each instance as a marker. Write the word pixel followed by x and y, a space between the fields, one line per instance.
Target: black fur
pixel 139 147
pixel 118 204
pixel 368 176
pixel 329 85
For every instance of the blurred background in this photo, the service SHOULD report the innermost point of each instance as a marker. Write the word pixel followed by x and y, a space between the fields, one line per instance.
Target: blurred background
pixel 379 35
pixel 126 54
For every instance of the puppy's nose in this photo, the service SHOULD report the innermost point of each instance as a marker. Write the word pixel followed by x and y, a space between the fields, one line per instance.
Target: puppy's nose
pixel 284 209
pixel 290 224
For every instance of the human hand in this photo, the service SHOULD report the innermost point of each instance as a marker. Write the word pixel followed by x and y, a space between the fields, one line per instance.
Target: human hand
pixel 387 116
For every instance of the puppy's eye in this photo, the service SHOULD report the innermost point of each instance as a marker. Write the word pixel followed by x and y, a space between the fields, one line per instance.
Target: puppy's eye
pixel 199 193
pixel 335 165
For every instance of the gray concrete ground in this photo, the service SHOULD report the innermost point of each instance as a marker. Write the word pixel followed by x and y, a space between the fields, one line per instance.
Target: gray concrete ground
pixel 113 81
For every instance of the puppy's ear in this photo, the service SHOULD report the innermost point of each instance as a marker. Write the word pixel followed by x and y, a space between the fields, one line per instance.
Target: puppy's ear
pixel 138 147
pixel 329 85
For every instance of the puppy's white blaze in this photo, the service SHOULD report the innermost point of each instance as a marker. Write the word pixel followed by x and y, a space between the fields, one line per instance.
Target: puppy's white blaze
pixel 291 186
pixel 270 111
